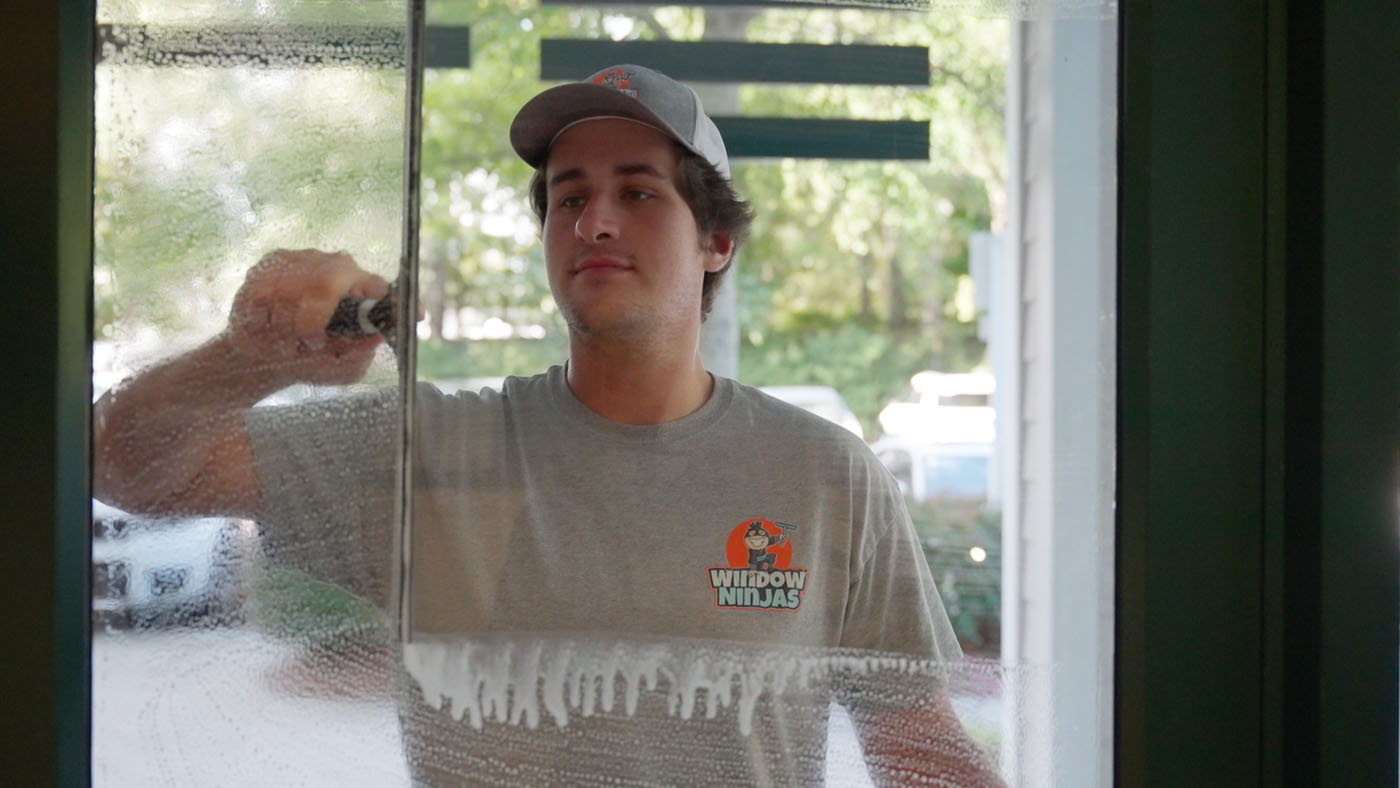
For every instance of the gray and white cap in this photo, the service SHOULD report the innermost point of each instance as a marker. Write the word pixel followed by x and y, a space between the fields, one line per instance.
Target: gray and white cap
pixel 624 91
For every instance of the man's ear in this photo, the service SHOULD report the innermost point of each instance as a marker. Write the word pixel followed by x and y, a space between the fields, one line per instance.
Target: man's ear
pixel 721 249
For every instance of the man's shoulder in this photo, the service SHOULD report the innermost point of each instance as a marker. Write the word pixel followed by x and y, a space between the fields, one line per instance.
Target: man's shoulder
pixel 488 391
pixel 805 448
pixel 764 411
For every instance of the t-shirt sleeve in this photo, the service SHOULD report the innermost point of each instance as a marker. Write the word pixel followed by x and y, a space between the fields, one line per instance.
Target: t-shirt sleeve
pixel 327 473
pixel 893 603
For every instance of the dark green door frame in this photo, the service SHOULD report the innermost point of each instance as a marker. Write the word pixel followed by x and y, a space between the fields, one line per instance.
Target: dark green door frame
pixel 1258 609
pixel 1356 683
pixel 46 223
pixel 1259 337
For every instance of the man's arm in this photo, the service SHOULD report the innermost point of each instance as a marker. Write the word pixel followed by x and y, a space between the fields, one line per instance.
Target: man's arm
pixel 171 440
pixel 908 730
pixel 923 744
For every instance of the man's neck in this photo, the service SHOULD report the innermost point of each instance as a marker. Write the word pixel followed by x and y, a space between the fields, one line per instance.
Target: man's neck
pixel 638 388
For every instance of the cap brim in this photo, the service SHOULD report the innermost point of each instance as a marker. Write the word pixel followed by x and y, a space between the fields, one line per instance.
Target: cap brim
pixel 546 115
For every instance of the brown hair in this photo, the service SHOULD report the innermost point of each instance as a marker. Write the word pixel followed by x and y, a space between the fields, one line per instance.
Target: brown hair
pixel 712 200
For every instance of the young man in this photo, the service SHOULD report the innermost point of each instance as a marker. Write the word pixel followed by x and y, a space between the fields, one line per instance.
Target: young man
pixel 620 494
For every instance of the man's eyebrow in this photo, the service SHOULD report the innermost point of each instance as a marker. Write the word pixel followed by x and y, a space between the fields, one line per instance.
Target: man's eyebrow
pixel 567 175
pixel 631 168
pixel 638 169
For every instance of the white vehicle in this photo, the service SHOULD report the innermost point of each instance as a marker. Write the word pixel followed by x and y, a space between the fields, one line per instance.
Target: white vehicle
pixel 938 471
pixel 824 401
pixel 159 573
pixel 939 441
pixel 944 408
pixel 475 385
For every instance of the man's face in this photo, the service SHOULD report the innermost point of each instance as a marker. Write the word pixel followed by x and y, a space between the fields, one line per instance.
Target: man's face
pixel 756 540
pixel 625 262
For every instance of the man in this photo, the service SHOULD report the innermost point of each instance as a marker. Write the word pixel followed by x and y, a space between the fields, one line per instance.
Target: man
pixel 530 503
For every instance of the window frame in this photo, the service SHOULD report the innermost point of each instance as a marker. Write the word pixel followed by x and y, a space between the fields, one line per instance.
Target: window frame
pixel 1294 499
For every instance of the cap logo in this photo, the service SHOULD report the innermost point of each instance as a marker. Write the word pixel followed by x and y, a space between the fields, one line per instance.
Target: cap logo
pixel 618 79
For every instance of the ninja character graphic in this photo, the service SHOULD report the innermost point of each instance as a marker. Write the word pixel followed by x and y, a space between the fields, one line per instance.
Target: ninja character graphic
pixel 758 541
pixel 617 79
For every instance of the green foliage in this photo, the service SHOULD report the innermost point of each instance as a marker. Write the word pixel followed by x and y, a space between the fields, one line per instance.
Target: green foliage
pixel 439 360
pixel 201 170
pixel 290 604
pixel 866 364
pixel 971 590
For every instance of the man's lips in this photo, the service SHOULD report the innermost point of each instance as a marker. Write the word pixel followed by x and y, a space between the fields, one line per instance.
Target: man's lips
pixel 601 264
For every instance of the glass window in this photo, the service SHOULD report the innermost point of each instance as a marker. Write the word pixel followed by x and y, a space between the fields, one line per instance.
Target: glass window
pixel 956 476
pixel 224 132
pixel 879 542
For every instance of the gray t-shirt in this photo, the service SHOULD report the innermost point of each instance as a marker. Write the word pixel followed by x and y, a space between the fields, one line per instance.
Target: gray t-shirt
pixel 748 521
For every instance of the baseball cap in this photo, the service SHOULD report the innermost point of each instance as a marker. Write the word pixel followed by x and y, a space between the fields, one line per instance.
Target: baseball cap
pixel 624 91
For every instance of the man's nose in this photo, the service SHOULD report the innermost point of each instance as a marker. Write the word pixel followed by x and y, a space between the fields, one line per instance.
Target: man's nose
pixel 597 222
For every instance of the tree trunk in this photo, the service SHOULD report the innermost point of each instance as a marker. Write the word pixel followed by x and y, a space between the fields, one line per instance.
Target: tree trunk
pixel 435 299
pixel 867 272
pixel 899 319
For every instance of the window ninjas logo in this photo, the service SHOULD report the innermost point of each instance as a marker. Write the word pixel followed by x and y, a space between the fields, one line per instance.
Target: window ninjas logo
pixel 757 590
pixel 759 574
pixel 618 79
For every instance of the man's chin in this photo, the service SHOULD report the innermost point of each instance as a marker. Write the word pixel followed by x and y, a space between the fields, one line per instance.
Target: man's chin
pixel 611 324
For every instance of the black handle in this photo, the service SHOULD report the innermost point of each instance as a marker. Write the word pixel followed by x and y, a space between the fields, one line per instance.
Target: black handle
pixel 355 318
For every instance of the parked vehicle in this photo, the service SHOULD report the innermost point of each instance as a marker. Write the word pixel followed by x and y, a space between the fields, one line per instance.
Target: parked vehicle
pixel 943 407
pixel 475 385
pixel 929 471
pixel 152 573
pixel 940 438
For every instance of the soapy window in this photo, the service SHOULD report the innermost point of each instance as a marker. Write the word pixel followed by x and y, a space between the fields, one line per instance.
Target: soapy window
pixel 412 604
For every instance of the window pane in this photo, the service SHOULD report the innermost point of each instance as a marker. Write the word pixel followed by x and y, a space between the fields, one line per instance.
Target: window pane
pixel 910 576
pixel 878 292
pixel 225 131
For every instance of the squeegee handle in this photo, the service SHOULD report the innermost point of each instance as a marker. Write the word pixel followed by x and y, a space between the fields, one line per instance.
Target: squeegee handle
pixel 361 317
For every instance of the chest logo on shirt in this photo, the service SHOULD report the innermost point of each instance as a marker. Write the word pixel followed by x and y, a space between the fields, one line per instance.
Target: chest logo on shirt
pixel 758 573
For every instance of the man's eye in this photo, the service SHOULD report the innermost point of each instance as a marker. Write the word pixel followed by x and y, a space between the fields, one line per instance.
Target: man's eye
pixel 571 201
pixel 637 194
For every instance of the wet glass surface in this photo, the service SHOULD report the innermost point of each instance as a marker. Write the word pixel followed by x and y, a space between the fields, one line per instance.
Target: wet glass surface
pixel 225 131
pixel 546 644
